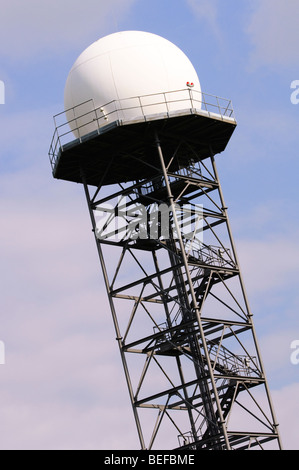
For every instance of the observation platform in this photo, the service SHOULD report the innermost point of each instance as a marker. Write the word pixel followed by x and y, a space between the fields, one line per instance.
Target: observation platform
pixel 110 147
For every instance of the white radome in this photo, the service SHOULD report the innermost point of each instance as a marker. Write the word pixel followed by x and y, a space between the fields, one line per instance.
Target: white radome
pixel 120 71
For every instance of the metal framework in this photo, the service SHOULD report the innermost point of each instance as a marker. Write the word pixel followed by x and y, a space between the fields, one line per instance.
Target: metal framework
pixel 182 319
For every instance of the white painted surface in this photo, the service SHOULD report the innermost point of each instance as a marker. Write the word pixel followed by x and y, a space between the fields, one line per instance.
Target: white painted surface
pixel 121 69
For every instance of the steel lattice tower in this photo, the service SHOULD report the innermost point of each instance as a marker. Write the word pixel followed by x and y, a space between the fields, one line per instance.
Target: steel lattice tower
pixel 146 160
pixel 183 324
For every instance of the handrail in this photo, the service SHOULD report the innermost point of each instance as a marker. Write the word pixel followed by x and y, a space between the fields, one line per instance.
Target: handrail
pixel 79 119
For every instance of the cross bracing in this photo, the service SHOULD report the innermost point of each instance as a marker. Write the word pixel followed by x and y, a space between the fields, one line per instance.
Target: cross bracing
pixel 183 323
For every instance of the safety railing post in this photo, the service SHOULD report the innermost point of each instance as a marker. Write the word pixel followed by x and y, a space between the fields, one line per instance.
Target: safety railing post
pixel 223 107
pixel 191 97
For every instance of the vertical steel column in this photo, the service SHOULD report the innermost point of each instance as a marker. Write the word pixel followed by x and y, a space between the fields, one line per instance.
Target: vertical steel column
pixel 178 304
pixel 193 296
pixel 224 208
pixel 114 316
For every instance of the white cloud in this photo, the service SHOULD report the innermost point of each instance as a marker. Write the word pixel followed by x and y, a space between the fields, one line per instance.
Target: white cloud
pixel 269 263
pixel 62 381
pixel 274 33
pixel 34 27
pixel 287 409
pixel 276 353
pixel 207 11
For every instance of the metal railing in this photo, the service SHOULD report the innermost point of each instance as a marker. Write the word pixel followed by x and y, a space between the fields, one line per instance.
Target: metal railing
pixel 222 359
pixel 157 183
pixel 239 365
pixel 212 255
pixel 85 118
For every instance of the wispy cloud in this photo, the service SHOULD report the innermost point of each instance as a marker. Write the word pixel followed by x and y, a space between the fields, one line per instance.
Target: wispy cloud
pixel 274 33
pixel 33 27
pixel 287 409
pixel 277 259
pixel 207 11
pixel 62 375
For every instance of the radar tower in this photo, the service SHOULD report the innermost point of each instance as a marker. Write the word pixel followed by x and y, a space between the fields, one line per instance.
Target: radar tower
pixel 141 137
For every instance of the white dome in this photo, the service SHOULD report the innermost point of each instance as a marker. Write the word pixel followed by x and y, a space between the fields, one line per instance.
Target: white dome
pixel 118 71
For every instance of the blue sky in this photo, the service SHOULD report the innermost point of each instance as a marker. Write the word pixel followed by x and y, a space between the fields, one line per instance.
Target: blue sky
pixel 62 385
